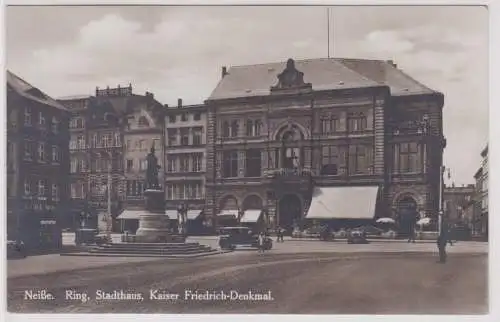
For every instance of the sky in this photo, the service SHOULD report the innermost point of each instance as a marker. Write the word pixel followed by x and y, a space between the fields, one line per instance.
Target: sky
pixel 177 52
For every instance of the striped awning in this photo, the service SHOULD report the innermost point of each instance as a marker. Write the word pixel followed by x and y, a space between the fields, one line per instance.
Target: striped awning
pixel 356 202
pixel 251 215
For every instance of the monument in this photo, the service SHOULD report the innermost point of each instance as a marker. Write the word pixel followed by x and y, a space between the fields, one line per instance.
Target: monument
pixel 153 223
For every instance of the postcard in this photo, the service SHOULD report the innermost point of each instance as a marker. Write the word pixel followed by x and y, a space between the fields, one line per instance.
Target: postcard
pixel 247 159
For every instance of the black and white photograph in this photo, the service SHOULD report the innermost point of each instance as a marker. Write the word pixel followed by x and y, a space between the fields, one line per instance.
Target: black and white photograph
pixel 224 159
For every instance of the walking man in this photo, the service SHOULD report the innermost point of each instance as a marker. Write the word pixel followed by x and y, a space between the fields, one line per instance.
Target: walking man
pixel 441 243
pixel 261 242
pixel 281 232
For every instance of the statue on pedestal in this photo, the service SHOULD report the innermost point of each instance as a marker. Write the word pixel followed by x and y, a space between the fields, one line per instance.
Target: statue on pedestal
pixel 152 170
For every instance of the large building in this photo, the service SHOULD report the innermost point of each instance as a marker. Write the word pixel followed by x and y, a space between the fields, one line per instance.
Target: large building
pixel 111 134
pixel 322 136
pixel 456 201
pixel 185 155
pixel 37 165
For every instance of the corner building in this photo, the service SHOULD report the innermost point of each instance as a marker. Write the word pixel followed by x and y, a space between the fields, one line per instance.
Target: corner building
pixel 322 138
pixel 37 166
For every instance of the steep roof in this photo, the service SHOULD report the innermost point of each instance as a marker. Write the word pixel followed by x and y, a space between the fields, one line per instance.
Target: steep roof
pixel 322 73
pixel 23 88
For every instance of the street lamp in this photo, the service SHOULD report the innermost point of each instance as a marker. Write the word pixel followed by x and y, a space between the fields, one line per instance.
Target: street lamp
pixel 443 169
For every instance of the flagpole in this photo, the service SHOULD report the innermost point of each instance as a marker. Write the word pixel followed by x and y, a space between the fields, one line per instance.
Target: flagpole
pixel 328 29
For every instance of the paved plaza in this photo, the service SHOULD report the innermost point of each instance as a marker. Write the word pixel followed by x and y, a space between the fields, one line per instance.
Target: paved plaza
pixel 303 276
pixel 336 283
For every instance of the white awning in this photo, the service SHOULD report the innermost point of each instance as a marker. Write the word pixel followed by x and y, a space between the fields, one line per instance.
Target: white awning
pixel 172 214
pixel 193 214
pixel 131 214
pixel 251 215
pixel 136 214
pixel 233 213
pixel 343 203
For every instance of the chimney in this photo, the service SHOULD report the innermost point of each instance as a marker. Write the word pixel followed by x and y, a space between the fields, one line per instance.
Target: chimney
pixel 179 102
pixel 224 71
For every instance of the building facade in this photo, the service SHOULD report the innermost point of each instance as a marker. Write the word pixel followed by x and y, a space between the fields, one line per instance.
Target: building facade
pixel 37 165
pixel 276 133
pixel 480 221
pixel 111 134
pixel 185 157
pixel 456 202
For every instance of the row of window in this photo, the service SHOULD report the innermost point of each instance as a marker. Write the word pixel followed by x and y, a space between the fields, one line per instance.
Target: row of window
pixel 185 136
pixel 184 117
pixel 98 141
pixel 332 124
pixel 186 162
pixel 42 154
pixel 360 160
pixel 135 187
pixel 96 165
pixel 77 123
pixel 41 189
pixel 42 120
pixel 143 145
pixel 328 125
pixel 185 191
pixel 232 129
pixel 134 164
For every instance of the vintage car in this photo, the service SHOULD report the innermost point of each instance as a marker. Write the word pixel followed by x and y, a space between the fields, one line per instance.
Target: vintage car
pixel 357 236
pixel 15 249
pixel 230 237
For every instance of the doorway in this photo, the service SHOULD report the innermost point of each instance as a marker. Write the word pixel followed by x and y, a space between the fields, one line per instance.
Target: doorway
pixel 289 211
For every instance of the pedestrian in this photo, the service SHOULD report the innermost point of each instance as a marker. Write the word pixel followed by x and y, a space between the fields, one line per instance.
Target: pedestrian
pixel 261 242
pixel 411 233
pixel 441 243
pixel 280 234
pixel 450 236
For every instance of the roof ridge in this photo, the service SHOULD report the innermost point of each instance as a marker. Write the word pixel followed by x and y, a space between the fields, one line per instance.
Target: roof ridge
pixel 305 60
pixel 359 74
pixel 410 78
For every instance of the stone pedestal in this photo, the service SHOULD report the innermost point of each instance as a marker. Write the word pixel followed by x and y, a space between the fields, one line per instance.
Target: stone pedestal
pixel 153 223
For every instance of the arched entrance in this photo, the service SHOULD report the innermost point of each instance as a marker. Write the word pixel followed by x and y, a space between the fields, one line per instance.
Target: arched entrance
pixel 407 214
pixel 252 202
pixel 290 211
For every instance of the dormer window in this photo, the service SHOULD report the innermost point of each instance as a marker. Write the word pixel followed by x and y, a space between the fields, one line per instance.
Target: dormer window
pixel 143 122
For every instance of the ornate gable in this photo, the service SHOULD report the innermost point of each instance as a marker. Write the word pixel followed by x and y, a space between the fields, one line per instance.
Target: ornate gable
pixel 291 78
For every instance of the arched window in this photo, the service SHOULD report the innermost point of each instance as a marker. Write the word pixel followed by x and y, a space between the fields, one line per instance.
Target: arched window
pixel 291 154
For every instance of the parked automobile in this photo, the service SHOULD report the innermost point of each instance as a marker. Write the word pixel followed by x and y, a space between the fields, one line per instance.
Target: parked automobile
pixel 371 230
pixel 230 237
pixel 16 249
pixel 357 236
